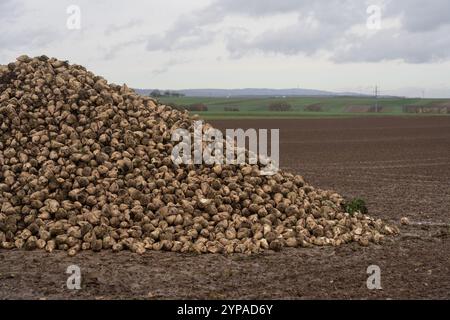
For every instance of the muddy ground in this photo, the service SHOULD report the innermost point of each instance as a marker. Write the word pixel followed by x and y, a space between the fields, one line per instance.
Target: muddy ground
pixel 400 166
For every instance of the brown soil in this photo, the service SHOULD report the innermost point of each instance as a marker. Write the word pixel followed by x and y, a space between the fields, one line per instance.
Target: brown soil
pixel 400 166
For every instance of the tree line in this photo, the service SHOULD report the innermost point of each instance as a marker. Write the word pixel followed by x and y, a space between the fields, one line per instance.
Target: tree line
pixel 167 93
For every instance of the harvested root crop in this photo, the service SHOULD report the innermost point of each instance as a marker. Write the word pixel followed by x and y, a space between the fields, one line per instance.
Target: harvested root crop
pixel 85 165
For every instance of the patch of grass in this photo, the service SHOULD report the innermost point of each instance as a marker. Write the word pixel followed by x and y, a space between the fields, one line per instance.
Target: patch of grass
pixel 356 205
pixel 330 107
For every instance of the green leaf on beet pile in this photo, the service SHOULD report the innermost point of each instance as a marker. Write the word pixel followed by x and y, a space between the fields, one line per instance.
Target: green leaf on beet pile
pixel 356 205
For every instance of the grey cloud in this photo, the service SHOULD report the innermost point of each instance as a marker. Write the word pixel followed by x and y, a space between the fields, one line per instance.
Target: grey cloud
pixel 420 16
pixel 21 34
pixel 113 28
pixel 112 51
pixel 258 7
pixel 330 11
pixel 27 39
pixel 423 23
pixel 165 67
pixel 423 37
pixel 161 70
pixel 9 9
pixel 191 39
pixel 290 41
pixel 335 17
pixel 331 20
pixel 409 47
pixel 189 31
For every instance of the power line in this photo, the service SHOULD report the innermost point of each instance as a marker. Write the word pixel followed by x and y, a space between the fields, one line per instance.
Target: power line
pixel 376 99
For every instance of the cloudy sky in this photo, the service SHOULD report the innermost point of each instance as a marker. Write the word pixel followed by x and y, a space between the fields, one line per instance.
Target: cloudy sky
pixel 338 45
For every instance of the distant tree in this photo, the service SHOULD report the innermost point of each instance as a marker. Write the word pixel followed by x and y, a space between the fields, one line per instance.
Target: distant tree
pixel 155 94
pixel 313 108
pixel 280 106
pixel 167 93
pixel 231 109
pixel 197 107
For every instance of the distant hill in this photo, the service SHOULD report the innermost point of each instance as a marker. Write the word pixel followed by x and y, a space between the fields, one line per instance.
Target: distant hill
pixel 248 92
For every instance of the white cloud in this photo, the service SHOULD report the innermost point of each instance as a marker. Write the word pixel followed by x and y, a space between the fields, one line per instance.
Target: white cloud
pixel 175 43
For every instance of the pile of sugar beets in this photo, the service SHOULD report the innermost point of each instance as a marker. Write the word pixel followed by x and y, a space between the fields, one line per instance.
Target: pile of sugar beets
pixel 86 165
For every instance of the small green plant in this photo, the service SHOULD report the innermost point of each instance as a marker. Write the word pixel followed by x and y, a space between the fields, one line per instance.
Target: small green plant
pixel 356 205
